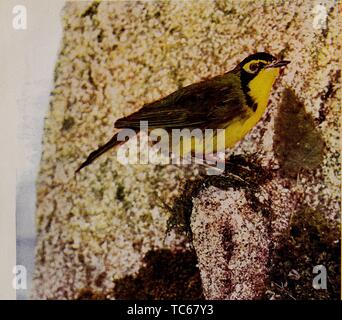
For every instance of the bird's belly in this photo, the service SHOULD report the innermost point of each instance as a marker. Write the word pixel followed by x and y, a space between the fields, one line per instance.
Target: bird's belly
pixel 236 131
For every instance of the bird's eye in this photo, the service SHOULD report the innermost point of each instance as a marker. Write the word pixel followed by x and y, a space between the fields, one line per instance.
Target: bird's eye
pixel 254 67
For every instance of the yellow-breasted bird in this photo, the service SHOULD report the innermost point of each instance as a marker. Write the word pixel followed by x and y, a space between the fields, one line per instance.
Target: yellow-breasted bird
pixel 234 101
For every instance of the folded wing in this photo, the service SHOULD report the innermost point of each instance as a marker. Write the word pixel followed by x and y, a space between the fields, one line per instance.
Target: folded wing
pixel 206 104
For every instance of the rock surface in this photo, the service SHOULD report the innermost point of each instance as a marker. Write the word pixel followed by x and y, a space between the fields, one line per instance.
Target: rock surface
pixel 234 238
pixel 100 228
pixel 232 245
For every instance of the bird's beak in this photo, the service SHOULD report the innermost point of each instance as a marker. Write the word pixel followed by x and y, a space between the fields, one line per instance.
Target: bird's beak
pixel 278 64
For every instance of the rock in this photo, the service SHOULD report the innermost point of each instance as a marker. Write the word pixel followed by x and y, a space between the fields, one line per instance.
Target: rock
pixel 117 56
pixel 234 236
pixel 232 245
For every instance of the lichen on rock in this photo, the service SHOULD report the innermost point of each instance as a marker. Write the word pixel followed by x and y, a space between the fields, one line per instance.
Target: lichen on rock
pixel 115 57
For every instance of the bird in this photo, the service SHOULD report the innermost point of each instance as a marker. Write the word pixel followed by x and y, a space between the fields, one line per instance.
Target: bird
pixel 234 101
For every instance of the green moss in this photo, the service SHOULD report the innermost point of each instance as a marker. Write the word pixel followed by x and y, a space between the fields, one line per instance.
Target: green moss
pixel 120 192
pixel 166 275
pixel 91 10
pixel 98 192
pixel 180 212
pixel 68 123
pixel 298 145
pixel 310 241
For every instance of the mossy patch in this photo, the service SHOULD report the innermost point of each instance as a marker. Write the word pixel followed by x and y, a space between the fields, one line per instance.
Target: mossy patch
pixel 98 192
pixel 91 10
pixel 166 275
pixel 240 172
pixel 120 192
pixel 298 145
pixel 68 123
pixel 180 212
pixel 310 241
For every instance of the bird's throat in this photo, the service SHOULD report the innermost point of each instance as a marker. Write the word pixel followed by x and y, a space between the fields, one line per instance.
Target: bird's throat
pixel 258 92
pixel 260 88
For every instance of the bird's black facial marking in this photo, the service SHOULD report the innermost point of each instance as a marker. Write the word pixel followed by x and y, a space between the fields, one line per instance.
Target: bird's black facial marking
pixel 249 68
pixel 246 77
pixel 258 56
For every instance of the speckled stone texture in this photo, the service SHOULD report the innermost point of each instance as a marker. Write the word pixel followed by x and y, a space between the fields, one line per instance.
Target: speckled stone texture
pixel 95 229
pixel 233 238
pixel 232 245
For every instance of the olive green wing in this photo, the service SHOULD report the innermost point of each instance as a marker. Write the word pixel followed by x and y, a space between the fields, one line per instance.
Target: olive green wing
pixel 206 104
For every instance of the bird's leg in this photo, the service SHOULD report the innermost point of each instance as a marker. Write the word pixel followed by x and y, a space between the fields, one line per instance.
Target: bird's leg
pixel 216 161
pixel 215 165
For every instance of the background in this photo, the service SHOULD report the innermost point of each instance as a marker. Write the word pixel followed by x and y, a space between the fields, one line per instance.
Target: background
pixel 104 236
pixel 28 58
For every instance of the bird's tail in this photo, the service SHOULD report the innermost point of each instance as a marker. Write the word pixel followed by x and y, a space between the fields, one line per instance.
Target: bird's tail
pixel 95 154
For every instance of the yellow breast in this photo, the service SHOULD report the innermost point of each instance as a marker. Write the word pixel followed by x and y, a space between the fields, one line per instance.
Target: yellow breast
pixel 260 88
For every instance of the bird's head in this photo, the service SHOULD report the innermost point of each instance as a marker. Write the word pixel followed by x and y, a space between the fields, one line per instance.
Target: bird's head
pixel 258 73
pixel 260 61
